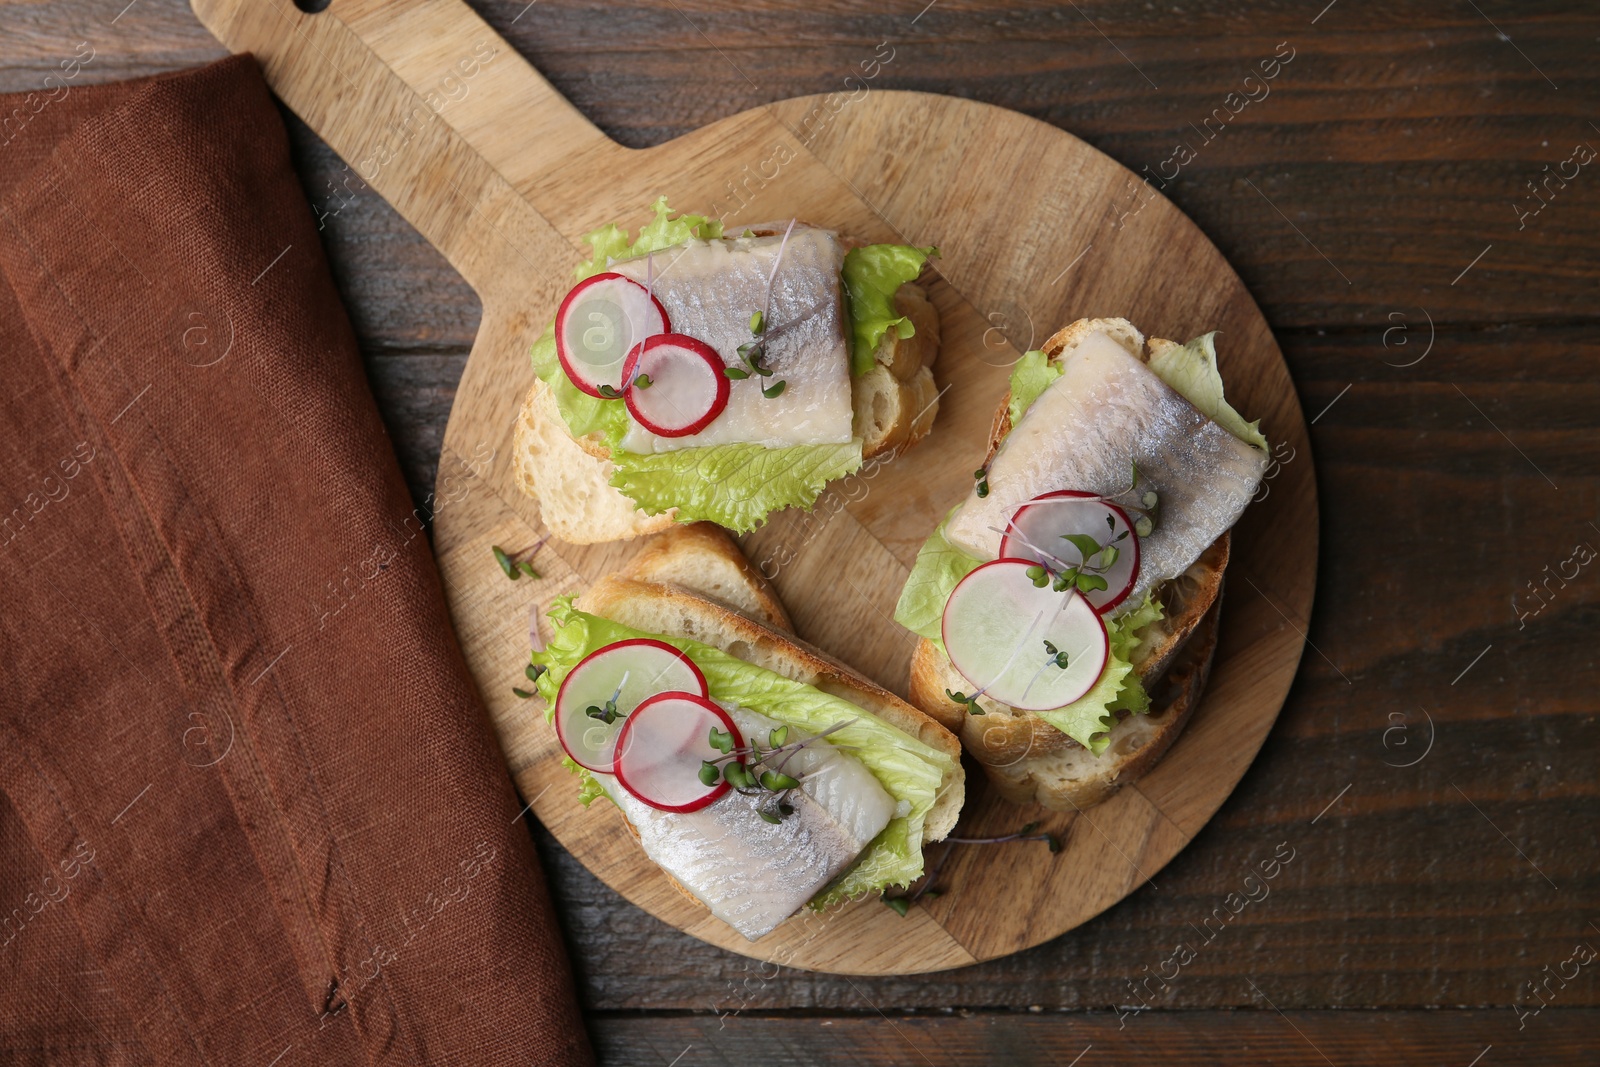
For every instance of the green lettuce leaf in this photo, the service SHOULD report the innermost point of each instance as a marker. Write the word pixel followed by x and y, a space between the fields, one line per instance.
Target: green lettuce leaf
pixel 872 275
pixel 908 770
pixel 735 485
pixel 1192 370
pixel 610 241
pixel 589 787
pixel 939 566
pixel 1089 719
pixel 1030 376
pixel 1125 627
pixel 581 412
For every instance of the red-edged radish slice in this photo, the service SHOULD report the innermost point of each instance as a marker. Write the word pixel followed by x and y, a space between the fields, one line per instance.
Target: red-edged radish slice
pixel 996 623
pixel 662 745
pixel 687 387
pixel 1036 531
pixel 630 672
pixel 601 320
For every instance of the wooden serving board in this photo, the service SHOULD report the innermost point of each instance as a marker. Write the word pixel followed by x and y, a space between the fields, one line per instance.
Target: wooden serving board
pixel 1035 229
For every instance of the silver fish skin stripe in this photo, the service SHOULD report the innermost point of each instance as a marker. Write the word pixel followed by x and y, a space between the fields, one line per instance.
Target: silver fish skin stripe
pixel 1106 411
pixel 711 288
pixel 753 874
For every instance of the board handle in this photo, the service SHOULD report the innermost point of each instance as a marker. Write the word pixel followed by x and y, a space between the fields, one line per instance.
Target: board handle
pixel 417 96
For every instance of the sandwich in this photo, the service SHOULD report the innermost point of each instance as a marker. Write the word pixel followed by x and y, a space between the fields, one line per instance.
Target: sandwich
pixel 696 374
pixel 1068 607
pixel 759 774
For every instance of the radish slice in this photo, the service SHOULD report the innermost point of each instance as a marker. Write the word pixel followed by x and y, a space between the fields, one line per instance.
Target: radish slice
pixel 601 320
pixel 996 623
pixel 628 672
pixel 1036 532
pixel 662 745
pixel 687 387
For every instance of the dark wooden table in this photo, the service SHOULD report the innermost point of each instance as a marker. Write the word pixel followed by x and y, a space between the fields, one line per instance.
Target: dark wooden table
pixel 1416 204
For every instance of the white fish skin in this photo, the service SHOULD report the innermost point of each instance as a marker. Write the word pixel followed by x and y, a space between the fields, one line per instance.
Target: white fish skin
pixel 1106 411
pixel 711 288
pixel 753 874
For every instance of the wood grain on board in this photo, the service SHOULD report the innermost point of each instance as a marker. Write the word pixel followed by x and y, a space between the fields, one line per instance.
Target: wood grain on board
pixel 508 203
pixel 1262 1038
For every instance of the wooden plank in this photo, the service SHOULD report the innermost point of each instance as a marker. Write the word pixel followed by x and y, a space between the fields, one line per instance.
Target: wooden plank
pixel 1265 1037
pixel 1438 122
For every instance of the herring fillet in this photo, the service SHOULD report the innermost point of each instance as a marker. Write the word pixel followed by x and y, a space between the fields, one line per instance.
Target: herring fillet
pixel 753 874
pixel 1106 411
pixel 711 288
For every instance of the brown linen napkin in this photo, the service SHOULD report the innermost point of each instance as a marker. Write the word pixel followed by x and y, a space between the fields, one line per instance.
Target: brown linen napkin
pixel 251 809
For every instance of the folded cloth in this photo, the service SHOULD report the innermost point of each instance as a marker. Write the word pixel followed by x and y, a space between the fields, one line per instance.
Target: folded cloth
pixel 251 807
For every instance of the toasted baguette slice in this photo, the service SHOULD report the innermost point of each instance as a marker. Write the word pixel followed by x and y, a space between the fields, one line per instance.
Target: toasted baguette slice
pixel 1031 761
pixel 700 558
pixel 576 500
pixel 894 406
pixel 676 612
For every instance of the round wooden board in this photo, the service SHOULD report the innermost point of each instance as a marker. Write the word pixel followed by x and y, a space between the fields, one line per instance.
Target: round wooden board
pixel 1035 229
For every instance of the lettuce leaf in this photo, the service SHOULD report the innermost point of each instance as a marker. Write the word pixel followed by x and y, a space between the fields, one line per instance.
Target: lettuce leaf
pixel 610 242
pixel 908 770
pixel 872 275
pixel 735 485
pixel 1191 369
pixel 939 566
pixel 1030 376
pixel 589 787
pixel 1124 627
pixel 1089 719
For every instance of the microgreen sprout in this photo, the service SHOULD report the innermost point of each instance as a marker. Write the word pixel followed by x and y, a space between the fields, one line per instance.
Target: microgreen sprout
pixel 982 475
pixel 512 567
pixel 642 382
pixel 608 713
pixel 1148 508
pixel 1087 575
pixel 758 770
pixel 1025 834
pixel 610 393
pixel 969 702
pixel 753 353
pixel 901 904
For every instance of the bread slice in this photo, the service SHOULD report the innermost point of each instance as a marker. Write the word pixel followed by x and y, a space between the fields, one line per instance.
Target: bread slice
pixel 894 406
pixel 676 612
pixel 1029 760
pixel 700 558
